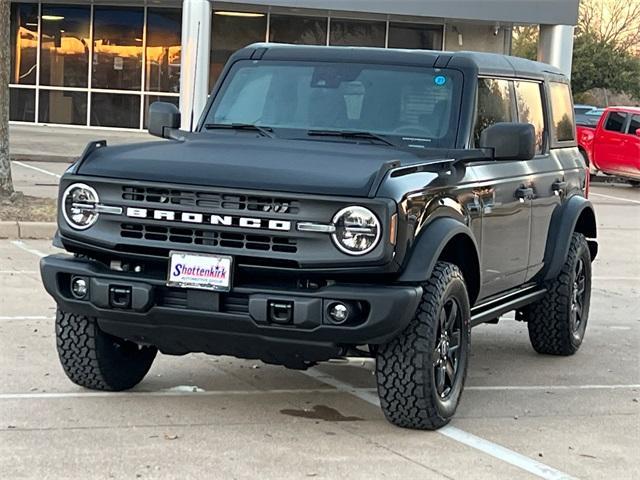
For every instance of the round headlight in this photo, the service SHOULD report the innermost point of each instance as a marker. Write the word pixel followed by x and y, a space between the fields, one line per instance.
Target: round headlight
pixel 79 206
pixel 357 230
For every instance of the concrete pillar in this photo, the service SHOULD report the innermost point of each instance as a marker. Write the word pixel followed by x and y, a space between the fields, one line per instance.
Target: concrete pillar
pixel 194 67
pixel 555 46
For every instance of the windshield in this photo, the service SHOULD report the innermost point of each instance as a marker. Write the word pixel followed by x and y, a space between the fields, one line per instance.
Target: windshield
pixel 417 105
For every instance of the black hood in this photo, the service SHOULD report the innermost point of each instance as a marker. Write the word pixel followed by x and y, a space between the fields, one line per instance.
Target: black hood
pixel 242 160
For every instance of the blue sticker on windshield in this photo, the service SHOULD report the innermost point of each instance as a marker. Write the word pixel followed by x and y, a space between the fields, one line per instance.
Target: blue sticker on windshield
pixel 440 80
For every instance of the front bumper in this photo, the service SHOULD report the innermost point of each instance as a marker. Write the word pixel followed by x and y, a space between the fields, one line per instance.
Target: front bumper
pixel 237 323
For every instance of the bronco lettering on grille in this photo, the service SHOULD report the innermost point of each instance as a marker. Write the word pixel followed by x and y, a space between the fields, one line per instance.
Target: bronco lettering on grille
pixel 210 219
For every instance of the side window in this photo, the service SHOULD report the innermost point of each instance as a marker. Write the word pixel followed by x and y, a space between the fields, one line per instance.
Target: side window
pixel 615 121
pixel 529 103
pixel 495 104
pixel 634 125
pixel 561 112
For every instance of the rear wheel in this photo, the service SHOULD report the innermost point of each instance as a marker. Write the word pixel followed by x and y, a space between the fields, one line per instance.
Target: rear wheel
pixel 557 323
pixel 421 373
pixel 91 358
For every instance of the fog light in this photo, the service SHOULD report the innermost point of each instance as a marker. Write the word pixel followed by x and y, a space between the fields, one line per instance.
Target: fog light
pixel 79 287
pixel 339 313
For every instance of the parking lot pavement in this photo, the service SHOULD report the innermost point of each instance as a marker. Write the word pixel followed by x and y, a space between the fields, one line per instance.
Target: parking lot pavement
pixel 522 415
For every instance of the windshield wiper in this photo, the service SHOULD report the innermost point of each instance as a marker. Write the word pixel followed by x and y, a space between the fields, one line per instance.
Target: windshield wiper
pixel 351 134
pixel 265 131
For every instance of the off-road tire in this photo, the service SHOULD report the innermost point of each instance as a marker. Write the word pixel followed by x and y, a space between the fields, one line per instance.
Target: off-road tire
pixel 404 367
pixel 549 319
pixel 93 359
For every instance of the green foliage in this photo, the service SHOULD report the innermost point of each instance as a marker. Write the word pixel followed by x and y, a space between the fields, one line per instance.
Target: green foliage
pixel 601 64
pixel 525 41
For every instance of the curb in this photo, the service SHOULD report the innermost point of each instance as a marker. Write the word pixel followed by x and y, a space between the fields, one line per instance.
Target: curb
pixel 15 230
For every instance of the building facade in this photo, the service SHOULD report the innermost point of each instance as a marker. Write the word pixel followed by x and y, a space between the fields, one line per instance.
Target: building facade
pixel 102 63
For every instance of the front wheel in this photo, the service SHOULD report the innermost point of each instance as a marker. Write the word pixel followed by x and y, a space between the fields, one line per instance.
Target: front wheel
pixel 421 373
pixel 94 359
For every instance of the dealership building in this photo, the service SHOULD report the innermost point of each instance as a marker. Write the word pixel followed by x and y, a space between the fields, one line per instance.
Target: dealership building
pixel 102 63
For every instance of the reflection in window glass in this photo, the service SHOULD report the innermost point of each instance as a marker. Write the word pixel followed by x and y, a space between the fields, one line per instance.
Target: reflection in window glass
pixel 22 105
pixel 115 110
pixel 298 30
pixel 410 35
pixel 164 27
pixel 229 33
pixel 357 33
pixel 149 99
pixel 117 44
pixel 562 111
pixel 23 43
pixel 63 107
pixel 64 49
pixel 615 121
pixel 494 104
pixel 530 109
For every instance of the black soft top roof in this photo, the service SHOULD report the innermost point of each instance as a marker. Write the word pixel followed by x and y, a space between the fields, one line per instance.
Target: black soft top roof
pixel 490 64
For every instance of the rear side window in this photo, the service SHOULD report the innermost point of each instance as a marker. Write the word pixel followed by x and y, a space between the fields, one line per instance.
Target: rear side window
pixel 495 104
pixel 615 121
pixel 562 112
pixel 529 103
pixel 634 124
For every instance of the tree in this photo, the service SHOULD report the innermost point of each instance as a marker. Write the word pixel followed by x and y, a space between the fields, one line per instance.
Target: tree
pixel 525 41
pixel 600 64
pixel 611 22
pixel 6 183
pixel 606 51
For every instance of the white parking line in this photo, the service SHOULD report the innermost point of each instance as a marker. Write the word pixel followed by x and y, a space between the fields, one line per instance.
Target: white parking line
pixel 550 387
pixel 23 246
pixel 161 393
pixel 32 317
pixel 31 167
pixel 621 199
pixel 18 272
pixel 493 449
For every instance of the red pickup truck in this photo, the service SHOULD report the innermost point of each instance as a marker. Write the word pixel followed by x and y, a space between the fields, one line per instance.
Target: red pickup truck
pixel 613 146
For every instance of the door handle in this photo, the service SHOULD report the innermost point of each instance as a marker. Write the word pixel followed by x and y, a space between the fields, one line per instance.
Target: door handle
pixel 559 186
pixel 524 193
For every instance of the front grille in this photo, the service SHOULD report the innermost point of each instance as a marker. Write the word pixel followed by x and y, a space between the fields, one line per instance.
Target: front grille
pixel 211 200
pixel 266 243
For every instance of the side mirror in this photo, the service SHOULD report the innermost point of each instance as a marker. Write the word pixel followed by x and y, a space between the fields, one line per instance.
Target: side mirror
pixel 638 132
pixel 163 117
pixel 510 141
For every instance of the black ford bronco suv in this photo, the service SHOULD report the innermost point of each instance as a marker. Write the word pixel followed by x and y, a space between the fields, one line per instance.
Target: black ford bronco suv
pixel 332 202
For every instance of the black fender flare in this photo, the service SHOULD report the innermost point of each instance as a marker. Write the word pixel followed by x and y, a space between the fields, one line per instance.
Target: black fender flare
pixel 578 215
pixel 431 244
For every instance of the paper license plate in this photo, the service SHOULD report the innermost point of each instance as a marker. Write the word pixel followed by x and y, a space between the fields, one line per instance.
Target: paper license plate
pixel 194 270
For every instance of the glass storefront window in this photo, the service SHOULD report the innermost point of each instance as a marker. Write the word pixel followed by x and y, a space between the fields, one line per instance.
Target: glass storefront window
pixel 231 31
pixel 410 35
pixel 115 110
pixel 149 99
pixel 298 30
pixel 357 33
pixel 22 104
pixel 164 30
pixel 23 43
pixel 117 48
pixel 57 106
pixel 64 46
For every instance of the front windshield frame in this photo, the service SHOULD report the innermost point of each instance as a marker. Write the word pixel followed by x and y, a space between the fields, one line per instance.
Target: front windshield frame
pixel 446 140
